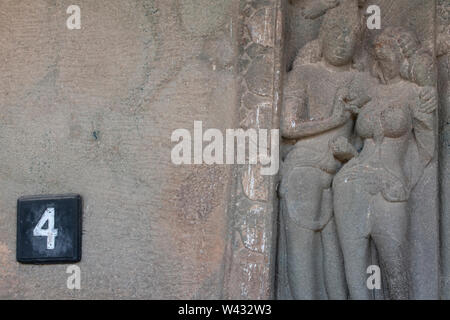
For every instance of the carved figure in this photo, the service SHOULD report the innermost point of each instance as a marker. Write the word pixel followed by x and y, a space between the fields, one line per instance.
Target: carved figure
pixel 317 117
pixel 418 64
pixel 371 191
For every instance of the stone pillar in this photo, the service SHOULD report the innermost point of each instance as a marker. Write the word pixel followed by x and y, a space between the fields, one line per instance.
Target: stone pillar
pixel 443 41
pixel 251 252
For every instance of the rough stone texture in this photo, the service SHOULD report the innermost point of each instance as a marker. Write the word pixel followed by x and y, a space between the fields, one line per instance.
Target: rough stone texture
pixel 91 111
pixel 251 253
pixel 443 16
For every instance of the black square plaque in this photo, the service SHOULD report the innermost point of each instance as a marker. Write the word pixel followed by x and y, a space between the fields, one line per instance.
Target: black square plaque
pixel 49 229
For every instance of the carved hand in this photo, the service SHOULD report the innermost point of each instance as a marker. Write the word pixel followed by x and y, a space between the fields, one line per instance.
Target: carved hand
pixel 342 149
pixel 358 97
pixel 340 109
pixel 407 47
pixel 355 104
pixel 339 116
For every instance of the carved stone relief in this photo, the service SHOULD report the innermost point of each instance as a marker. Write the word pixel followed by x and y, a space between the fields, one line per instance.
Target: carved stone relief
pixel 359 122
pixel 364 125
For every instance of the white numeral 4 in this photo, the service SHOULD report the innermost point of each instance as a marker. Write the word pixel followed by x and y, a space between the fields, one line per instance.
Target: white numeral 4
pixel 50 232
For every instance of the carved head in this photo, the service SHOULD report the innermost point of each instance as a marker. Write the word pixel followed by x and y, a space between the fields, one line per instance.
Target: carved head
pixel 388 54
pixel 339 33
pixel 408 42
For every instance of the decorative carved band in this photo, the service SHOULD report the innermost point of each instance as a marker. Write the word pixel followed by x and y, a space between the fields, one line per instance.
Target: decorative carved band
pixel 251 252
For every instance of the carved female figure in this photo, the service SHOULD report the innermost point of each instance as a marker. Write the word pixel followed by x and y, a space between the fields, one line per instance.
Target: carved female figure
pixel 316 118
pixel 371 191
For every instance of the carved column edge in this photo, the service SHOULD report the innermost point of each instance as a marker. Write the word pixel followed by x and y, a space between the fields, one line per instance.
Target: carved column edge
pixel 252 212
pixel 443 46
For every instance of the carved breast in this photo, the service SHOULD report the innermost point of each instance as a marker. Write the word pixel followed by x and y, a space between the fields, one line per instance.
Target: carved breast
pixel 386 117
pixel 396 121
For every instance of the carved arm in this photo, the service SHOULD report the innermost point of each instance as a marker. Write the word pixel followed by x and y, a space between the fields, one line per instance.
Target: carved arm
pixel 319 8
pixel 424 123
pixel 293 128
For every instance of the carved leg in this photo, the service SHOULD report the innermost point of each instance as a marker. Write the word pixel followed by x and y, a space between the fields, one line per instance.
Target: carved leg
pixel 390 237
pixel 302 203
pixel 356 257
pixel 393 264
pixel 303 253
pixel 335 283
pixel 351 205
pixel 283 291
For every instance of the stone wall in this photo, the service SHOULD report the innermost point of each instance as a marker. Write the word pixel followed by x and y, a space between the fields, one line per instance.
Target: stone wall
pixel 92 111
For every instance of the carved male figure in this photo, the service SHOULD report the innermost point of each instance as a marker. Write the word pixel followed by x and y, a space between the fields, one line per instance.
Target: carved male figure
pixel 317 118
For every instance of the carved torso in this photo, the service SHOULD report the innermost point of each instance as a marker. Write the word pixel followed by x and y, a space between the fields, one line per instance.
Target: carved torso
pixel 386 125
pixel 316 85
